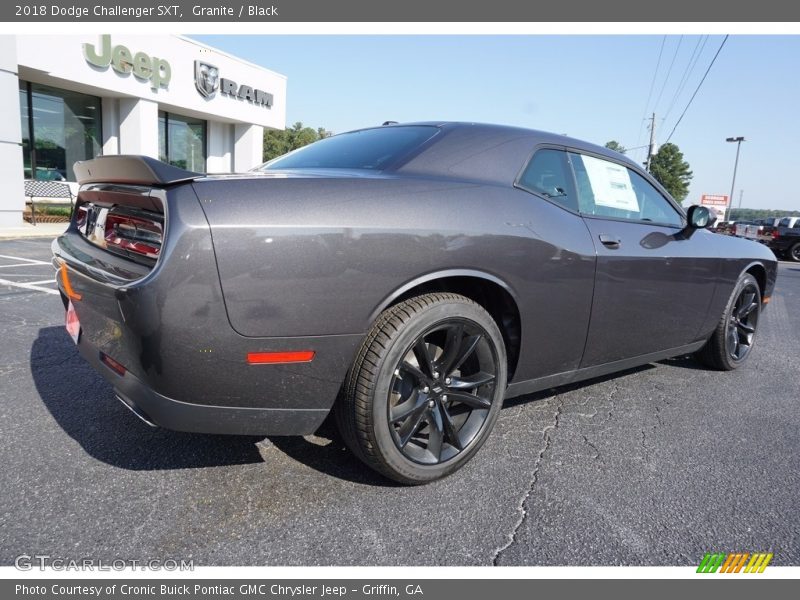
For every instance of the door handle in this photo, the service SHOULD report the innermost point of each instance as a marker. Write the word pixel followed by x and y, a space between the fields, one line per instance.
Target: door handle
pixel 610 241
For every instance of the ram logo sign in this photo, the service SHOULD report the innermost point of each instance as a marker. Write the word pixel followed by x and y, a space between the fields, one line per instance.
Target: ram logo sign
pixel 207 80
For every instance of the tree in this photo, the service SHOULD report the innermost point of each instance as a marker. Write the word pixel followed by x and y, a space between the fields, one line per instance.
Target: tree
pixel 671 171
pixel 616 147
pixel 281 141
pixel 748 214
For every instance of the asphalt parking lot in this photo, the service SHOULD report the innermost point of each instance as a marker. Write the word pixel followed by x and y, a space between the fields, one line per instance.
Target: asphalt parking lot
pixel 655 466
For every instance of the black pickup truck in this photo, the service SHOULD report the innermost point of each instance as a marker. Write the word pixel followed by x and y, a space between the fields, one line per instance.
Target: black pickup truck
pixel 785 242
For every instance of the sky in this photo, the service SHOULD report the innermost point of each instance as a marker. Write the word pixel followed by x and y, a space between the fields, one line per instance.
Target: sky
pixel 595 88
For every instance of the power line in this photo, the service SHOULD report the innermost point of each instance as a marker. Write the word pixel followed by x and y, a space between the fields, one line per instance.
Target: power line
pixel 699 85
pixel 669 72
pixel 655 74
pixel 687 73
pixel 650 93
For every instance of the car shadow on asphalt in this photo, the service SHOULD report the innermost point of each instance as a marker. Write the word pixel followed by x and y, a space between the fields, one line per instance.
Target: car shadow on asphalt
pixel 685 362
pixel 326 453
pixel 84 406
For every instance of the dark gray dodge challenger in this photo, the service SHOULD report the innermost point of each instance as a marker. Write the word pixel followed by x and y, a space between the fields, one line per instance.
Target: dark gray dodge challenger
pixel 406 277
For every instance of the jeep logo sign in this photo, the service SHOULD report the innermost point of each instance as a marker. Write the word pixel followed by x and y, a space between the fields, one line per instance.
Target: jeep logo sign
pixel 207 81
pixel 144 67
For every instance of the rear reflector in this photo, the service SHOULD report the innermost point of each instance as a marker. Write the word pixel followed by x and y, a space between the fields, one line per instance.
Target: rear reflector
pixel 67 285
pixel 275 358
pixel 766 300
pixel 112 364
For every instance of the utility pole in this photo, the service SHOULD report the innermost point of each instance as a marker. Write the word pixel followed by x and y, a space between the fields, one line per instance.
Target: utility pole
pixel 651 148
pixel 738 141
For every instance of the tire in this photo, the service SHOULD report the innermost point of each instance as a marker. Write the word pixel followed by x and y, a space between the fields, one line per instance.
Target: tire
pixel 733 339
pixel 793 253
pixel 425 389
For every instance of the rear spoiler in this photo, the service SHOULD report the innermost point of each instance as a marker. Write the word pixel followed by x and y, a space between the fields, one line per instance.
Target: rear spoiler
pixel 130 169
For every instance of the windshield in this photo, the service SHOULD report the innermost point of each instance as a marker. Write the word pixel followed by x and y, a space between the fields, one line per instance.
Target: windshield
pixel 366 149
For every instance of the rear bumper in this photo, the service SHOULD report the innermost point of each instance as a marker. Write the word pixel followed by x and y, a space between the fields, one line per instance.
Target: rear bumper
pixel 158 410
pixel 185 367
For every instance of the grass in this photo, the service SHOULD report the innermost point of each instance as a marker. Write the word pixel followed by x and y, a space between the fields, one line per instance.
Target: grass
pixel 55 211
pixel 49 214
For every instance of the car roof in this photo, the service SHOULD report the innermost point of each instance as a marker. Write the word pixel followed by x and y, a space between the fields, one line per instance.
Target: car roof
pixel 486 152
pixel 513 132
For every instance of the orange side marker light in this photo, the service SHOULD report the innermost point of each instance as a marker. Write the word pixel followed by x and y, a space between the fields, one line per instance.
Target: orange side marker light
pixel 71 294
pixel 279 358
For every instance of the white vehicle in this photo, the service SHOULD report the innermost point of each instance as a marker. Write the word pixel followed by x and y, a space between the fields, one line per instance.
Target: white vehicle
pixel 746 230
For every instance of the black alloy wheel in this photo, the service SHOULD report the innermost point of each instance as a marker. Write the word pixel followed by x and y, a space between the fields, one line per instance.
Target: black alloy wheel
pixel 425 389
pixel 441 391
pixel 742 322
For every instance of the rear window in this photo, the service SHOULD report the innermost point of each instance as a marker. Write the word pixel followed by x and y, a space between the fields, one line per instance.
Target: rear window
pixel 367 149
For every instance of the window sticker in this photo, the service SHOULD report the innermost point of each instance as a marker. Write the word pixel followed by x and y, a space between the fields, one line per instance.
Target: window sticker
pixel 611 184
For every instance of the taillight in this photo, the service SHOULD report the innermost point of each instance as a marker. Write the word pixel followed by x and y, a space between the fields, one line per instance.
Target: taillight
pixel 133 233
pixel 775 234
pixel 81 214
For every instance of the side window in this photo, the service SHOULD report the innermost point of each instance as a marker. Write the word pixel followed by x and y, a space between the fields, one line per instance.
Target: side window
pixel 548 175
pixel 608 189
pixel 652 205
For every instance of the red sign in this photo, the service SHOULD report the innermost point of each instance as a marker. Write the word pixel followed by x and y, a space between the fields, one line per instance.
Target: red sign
pixel 714 200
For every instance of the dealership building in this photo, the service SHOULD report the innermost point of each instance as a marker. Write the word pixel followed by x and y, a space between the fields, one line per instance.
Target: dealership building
pixel 73 97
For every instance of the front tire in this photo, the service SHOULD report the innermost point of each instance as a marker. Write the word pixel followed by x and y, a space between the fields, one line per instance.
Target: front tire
pixel 793 253
pixel 425 389
pixel 732 340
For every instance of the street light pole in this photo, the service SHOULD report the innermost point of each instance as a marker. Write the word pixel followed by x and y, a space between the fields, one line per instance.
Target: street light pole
pixel 738 141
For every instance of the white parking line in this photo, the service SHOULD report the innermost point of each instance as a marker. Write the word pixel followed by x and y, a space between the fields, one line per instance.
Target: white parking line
pixel 28 286
pixel 27 260
pixel 34 286
pixel 26 265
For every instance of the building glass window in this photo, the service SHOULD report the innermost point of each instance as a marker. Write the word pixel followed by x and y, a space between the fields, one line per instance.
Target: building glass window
pixel 59 128
pixel 182 141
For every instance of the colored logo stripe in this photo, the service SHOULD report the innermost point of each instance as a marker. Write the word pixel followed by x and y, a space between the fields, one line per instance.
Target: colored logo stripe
pixel 758 563
pixel 733 562
pixel 711 562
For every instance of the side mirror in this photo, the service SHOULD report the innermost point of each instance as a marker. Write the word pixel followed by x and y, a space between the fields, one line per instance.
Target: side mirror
pixel 698 217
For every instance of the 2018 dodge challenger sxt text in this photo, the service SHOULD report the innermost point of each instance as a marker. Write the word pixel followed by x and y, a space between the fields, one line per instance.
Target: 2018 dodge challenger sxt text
pixel 409 277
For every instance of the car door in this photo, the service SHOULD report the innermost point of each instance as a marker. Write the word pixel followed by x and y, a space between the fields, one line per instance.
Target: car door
pixel 557 268
pixel 654 280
